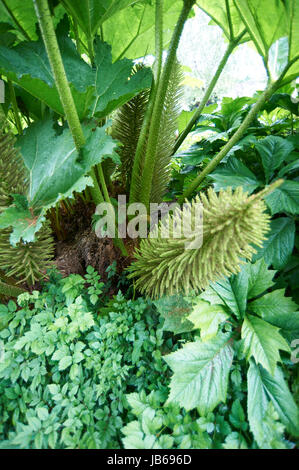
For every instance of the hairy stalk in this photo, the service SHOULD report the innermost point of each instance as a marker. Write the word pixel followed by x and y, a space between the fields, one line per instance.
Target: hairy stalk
pixel 66 97
pixel 77 37
pixel 51 44
pixel 137 169
pixel 158 40
pixel 15 107
pixel 10 291
pixel 233 140
pixel 232 45
pixel 149 163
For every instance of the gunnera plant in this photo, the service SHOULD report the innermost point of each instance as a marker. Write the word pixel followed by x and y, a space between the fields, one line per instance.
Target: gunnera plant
pixel 25 262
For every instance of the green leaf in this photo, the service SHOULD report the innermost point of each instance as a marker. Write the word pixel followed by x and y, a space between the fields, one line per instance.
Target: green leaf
pixel 263 342
pixel 259 278
pixel 201 373
pixel 237 416
pixel 55 172
pixel 235 441
pixel 280 311
pixel 217 10
pixel 233 174
pixel 131 32
pixel 175 310
pixel 207 318
pixel 273 151
pixel 27 65
pixel 264 25
pixel 42 413
pixel 90 14
pixel 278 57
pixel 279 245
pixel 64 363
pixel 113 88
pixel 231 292
pixel 262 388
pixel 275 302
pixel 267 25
pixel 285 198
pixel 25 15
pixel 24 223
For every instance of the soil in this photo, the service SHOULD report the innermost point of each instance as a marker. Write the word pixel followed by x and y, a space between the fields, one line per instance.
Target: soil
pixel 81 247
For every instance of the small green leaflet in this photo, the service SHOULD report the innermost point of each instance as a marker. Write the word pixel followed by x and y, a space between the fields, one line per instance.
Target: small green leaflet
pixel 275 302
pixel 231 292
pixel 175 310
pixel 280 311
pixel 262 341
pixel 279 245
pixel 259 278
pixel 207 318
pixel 285 198
pixel 113 88
pixel 201 373
pixel 264 388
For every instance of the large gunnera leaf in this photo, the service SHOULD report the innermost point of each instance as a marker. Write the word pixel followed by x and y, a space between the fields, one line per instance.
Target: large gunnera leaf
pixel 56 170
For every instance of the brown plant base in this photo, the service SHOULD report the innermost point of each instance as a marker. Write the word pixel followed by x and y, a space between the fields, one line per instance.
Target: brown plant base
pixel 89 250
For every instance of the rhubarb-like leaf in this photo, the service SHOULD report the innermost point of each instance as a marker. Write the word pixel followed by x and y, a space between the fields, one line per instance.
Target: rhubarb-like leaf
pixel 114 85
pixel 56 170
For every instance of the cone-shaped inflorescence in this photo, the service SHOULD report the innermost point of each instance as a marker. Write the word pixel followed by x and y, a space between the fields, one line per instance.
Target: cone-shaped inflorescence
pixel 126 128
pixel 232 222
pixel 12 170
pixel 26 262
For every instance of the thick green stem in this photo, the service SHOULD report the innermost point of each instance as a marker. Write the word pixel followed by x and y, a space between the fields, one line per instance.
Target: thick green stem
pixel 10 291
pixel 90 50
pixel 158 40
pixel 118 241
pixel 15 107
pixel 232 45
pixel 150 156
pixel 135 177
pixel 66 97
pixel 103 183
pixel 233 140
pixel 77 37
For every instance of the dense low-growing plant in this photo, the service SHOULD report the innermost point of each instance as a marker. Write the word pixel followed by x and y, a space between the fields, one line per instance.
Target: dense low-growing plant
pixel 68 364
pixel 77 369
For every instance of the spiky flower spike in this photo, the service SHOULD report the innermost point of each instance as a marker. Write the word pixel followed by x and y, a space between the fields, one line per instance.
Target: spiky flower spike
pixel 126 128
pixel 232 222
pixel 12 170
pixel 26 262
